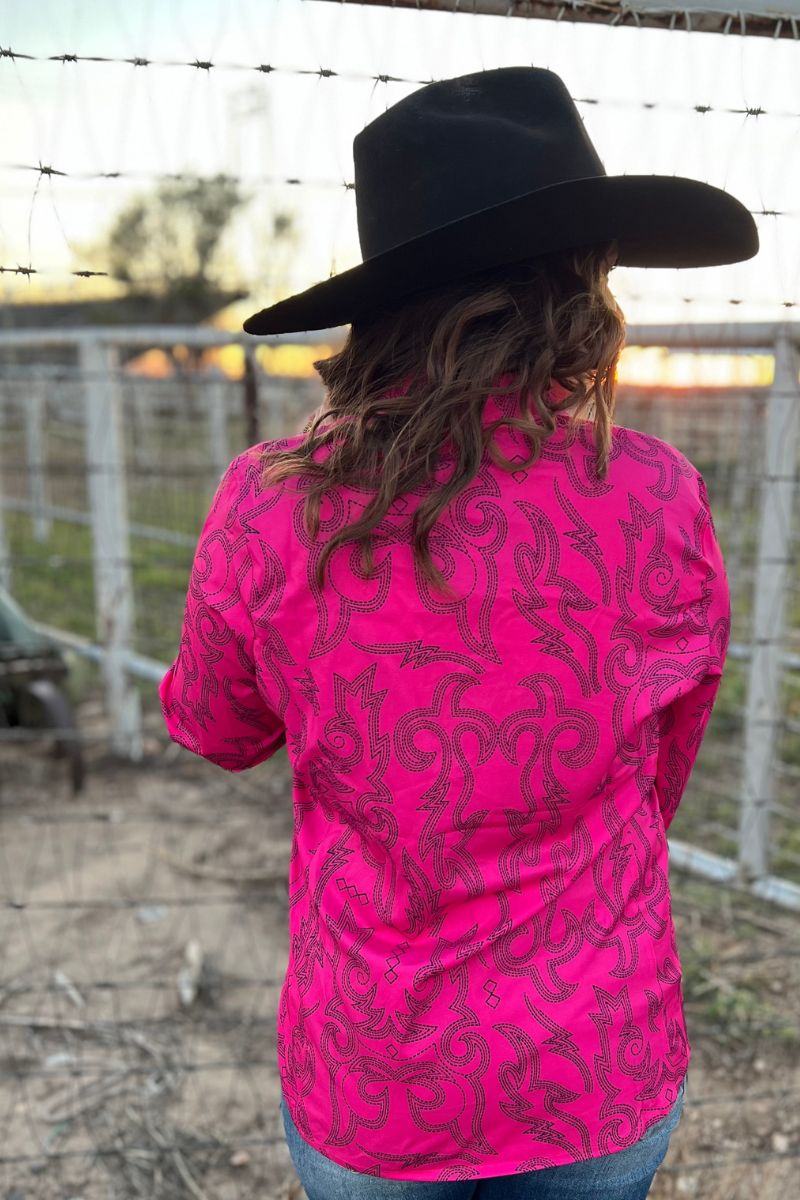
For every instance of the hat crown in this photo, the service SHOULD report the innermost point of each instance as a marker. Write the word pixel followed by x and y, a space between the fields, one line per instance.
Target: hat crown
pixel 458 146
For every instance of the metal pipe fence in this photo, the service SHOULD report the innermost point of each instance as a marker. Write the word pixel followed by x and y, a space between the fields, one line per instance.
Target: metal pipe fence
pixel 106 474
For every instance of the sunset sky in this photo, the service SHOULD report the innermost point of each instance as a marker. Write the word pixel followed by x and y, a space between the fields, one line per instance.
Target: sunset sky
pixel 145 121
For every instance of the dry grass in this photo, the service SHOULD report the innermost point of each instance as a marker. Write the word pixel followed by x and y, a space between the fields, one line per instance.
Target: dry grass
pixel 144 948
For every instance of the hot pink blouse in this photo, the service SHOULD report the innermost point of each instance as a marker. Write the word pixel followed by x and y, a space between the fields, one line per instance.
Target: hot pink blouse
pixel 483 976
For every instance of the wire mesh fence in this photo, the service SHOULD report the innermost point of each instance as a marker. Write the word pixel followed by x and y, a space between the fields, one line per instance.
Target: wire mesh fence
pixel 107 476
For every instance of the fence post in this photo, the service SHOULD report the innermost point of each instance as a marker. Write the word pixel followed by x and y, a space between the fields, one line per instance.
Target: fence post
pixel 216 403
pixel 34 446
pixel 250 397
pixel 105 460
pixel 5 549
pixel 271 392
pixel 747 406
pixel 137 395
pixel 771 584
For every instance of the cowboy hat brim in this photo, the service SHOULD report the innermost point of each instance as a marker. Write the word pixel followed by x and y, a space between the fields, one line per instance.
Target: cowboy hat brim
pixel 658 221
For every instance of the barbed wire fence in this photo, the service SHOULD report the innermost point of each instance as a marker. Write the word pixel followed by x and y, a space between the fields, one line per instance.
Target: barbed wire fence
pixel 144 922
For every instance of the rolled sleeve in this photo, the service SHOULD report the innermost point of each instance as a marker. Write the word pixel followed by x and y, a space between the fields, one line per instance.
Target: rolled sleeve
pixel 210 698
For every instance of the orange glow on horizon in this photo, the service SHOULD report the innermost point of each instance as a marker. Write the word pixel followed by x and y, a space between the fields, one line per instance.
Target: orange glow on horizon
pixel 153 364
pixel 639 366
pixel 658 366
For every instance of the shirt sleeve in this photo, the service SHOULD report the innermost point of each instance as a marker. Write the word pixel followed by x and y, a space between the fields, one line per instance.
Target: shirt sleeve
pixel 683 724
pixel 210 698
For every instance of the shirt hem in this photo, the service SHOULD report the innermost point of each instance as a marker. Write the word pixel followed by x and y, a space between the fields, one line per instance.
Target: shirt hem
pixel 495 1169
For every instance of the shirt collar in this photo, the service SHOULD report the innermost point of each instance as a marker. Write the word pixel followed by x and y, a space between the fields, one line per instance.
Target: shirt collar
pixel 503 401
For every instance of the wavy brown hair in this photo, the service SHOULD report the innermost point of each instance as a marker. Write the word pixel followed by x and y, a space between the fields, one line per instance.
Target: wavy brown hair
pixel 552 318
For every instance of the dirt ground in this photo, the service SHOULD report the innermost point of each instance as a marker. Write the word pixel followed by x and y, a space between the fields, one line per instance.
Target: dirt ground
pixel 144 935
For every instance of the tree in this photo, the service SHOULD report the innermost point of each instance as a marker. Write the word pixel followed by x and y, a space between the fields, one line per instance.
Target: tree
pixel 167 242
pixel 166 246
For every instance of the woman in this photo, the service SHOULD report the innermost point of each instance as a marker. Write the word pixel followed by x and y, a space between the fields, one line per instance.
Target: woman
pixel 489 625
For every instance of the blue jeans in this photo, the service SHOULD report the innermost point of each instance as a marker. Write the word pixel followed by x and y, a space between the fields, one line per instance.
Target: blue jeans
pixel 625 1175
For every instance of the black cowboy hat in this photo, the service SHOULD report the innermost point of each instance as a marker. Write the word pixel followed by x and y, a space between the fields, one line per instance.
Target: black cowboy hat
pixel 497 167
